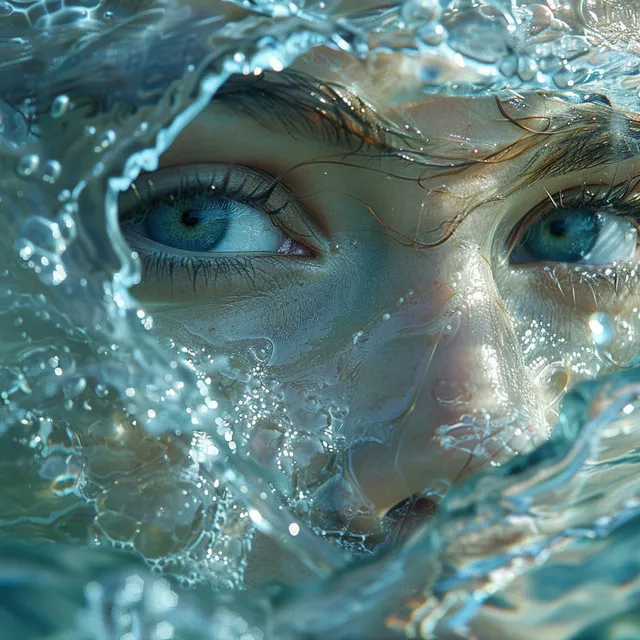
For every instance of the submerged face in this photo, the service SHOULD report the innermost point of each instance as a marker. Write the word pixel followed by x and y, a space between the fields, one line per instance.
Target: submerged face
pixel 415 280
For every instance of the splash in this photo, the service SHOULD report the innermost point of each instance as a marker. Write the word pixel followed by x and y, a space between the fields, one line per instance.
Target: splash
pixel 88 392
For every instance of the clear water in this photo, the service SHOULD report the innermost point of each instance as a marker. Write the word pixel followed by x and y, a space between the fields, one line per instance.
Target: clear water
pixel 88 391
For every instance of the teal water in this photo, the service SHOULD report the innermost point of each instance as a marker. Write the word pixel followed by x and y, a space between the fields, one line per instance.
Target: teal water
pixel 558 529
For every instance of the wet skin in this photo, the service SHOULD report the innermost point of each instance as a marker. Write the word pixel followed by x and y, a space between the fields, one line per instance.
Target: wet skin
pixel 435 355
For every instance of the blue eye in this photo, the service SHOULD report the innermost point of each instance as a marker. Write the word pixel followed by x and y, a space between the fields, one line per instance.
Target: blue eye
pixel 577 236
pixel 209 211
pixel 191 227
pixel 208 223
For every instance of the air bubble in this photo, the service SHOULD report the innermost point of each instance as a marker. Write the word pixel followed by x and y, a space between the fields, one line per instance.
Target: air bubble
pixel 51 171
pixel 469 29
pixel 28 165
pixel 107 140
pixel 601 327
pixel 60 106
pixel 527 69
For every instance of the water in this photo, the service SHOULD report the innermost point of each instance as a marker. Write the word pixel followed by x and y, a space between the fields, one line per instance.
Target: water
pixel 115 441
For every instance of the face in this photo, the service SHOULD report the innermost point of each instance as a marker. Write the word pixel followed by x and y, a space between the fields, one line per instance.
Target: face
pixel 410 283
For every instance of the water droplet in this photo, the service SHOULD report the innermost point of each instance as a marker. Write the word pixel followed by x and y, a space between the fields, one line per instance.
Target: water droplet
pixel 51 171
pixel 60 106
pixel 601 327
pixel 106 140
pixel 27 165
pixel 527 68
pixel 478 34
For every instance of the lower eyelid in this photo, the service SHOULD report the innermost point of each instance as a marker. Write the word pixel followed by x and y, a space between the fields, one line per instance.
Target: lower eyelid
pixel 584 289
pixel 203 273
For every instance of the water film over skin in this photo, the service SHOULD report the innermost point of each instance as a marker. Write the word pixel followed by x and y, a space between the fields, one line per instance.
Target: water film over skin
pixel 398 323
pixel 364 295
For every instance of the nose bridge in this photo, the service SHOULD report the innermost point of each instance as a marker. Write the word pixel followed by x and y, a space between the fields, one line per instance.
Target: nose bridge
pixel 480 390
pixel 485 347
pixel 473 401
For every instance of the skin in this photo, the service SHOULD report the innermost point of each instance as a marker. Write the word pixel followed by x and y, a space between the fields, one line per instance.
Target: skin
pixel 432 361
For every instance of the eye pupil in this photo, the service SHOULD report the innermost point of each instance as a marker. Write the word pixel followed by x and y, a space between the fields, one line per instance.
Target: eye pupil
pixel 189 219
pixel 567 235
pixel 558 228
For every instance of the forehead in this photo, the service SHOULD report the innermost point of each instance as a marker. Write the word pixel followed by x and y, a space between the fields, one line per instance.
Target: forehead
pixel 394 86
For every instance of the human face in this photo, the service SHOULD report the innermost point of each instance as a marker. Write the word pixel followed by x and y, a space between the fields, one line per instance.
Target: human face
pixel 415 280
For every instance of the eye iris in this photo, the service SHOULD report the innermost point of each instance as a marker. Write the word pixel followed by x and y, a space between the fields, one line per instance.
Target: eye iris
pixel 565 236
pixel 196 227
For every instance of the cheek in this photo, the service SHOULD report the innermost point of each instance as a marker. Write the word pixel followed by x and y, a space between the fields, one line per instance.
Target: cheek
pixel 573 324
pixel 347 343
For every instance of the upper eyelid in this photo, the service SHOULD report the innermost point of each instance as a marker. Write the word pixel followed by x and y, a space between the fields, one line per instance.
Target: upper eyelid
pixel 188 181
pixel 578 196
pixel 285 210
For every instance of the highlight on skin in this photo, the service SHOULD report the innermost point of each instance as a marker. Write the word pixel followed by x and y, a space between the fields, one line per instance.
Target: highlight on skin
pixel 454 332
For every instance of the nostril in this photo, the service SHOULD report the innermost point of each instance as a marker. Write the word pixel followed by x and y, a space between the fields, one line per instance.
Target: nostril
pixel 417 505
pixel 408 515
pixel 424 507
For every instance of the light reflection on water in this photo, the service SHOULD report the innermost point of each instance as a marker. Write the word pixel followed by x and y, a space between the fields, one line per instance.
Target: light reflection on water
pixel 114 439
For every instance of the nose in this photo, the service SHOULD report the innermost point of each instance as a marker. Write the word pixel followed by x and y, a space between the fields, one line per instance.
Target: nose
pixel 474 403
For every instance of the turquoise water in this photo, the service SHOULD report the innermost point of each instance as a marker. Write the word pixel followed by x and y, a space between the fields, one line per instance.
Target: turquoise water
pixel 535 546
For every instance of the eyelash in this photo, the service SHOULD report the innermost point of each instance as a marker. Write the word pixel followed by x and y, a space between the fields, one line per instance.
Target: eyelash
pixel 336 111
pixel 615 199
pixel 211 268
pixel 187 190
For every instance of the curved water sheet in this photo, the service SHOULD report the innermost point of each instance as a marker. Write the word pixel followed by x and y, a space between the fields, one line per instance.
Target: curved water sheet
pixel 119 441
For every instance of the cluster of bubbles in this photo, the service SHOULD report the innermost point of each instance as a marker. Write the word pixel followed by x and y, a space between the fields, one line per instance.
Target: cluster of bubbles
pixel 113 440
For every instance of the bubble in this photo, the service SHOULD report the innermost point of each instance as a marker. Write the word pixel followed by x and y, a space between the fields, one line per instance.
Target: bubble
pixel 527 68
pixel 28 165
pixel 601 327
pixel 106 140
pixel 51 171
pixel 60 106
pixel 480 34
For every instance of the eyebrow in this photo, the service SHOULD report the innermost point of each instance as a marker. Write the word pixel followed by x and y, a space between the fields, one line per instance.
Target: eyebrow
pixel 589 137
pixel 308 106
